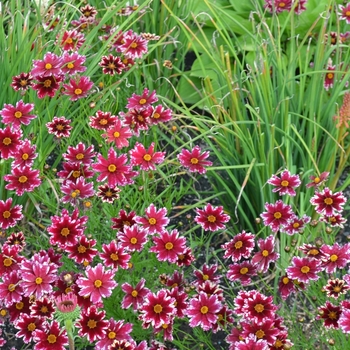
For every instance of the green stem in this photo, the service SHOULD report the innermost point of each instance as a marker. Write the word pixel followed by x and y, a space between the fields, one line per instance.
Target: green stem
pixel 69 328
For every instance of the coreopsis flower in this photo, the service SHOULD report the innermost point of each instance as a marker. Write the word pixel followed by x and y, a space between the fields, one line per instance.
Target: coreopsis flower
pixel 266 254
pixel 78 88
pixel 71 40
pixel 265 331
pixel 102 120
pixel 242 272
pixel 194 160
pixel 10 288
pixel 176 280
pixel 136 120
pixel 134 295
pixel 224 319
pixel 43 307
pixel 186 258
pixel 211 218
pixel 49 66
pixel 92 324
pixel 25 154
pixel 60 127
pixel 79 154
pixel 344 12
pixel 251 343
pixel 27 325
pixel 111 65
pixel 327 203
pixel 203 311
pixel 37 278
pixel 159 114
pixel 72 63
pixel 9 141
pixel 259 308
pixel 142 101
pixel 155 220
pixel 241 300
pixel 9 216
pixel 180 301
pixel 304 269
pixel 316 181
pixel 207 273
pixel 76 190
pixel 74 171
pixel 17 310
pixel 23 179
pixel 98 283
pixel 16 239
pixel 108 194
pixel 119 134
pixel 240 246
pixel 336 220
pixel 88 11
pixel 116 330
pixel 123 219
pixel 157 308
pixel 312 251
pixel 285 184
pixel 145 158
pixel 168 246
pixel 277 215
pixel 328 82
pixel 122 345
pixel 114 256
pixel 83 251
pixel 167 329
pixel 134 45
pixel 278 6
pixel 335 256
pixel 47 85
pixel 9 259
pixel 211 288
pixel 22 81
pixel 296 225
pixel 17 115
pixel 113 169
pixel 133 238
pixel 330 314
pixel 336 287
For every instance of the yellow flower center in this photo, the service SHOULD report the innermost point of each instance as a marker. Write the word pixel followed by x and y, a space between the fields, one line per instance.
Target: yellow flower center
pixel 314 252
pixel 278 344
pixel 116 134
pixel 277 215
pixel 134 293
pixel 158 309
pixel 70 65
pixel 260 334
pixel 19 305
pixel 296 225
pixel 330 75
pixel 147 157
pixel 69 41
pixel 51 338
pixel 204 310
pixel 31 327
pixel 111 335
pixel 6 214
pixel 305 269
pixel 285 280
pixel 114 257
pixel 333 258
pixel 265 253
pixel 78 91
pixel 281 4
pixel 133 45
pixel 65 232
pixel 112 168
pixel 347 13
pixel 7 262
pixel 25 156
pixel 44 309
pixel 317 180
pixel 48 66
pixel 103 121
pixel 18 114
pixel 38 280
pixel 205 277
pixel 211 218
pixel 59 127
pixel 243 270
pixel 156 115
pixel 11 287
pixel 133 240
pixel 194 161
pixel 152 221
pixel 23 82
pixel 22 179
pixel 6 141
pixel 3 312
pixel 332 315
pixel 169 246
pixel 328 201
pixel 79 156
pixel 81 249
pixel 92 324
pixel 259 308
pixel 238 244
pixel 285 183
pixel 336 289
pixel 98 283
pixel 47 83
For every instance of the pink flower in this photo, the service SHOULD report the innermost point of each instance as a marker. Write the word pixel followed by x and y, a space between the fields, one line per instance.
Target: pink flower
pixel 317 180
pixel 51 337
pixel 102 120
pixel 240 246
pixel 47 85
pixel 27 325
pixel 146 159
pixel 335 257
pixel 115 256
pixel 168 246
pixel 98 284
pixel 278 5
pixel 304 269
pixel 136 120
pixel 336 220
pixel 142 101
pixel 60 127
pixel 329 77
pixel 134 45
pixel 211 218
pixel 49 66
pixel 111 65
pixel 9 141
pixel 242 272
pixel 276 215
pixel 203 311
pixel 119 134
pixel 134 295
pixel 80 154
pixel 73 63
pixel 154 220
pixel 25 154
pixel 10 288
pixel 266 254
pixel 285 184
pixel 78 88
pixel 76 190
pixel 251 343
pixel 331 315
pixel 296 225
pixel 344 12
pixel 327 203
pixel 83 251
pixel 9 216
pixel 133 238
pixel 17 115
pixel 159 114
pixel 266 331
pixel 22 180
pixel 207 273
pixel 157 308
pixel 123 219
pixel 66 302
pixel 194 160
pixel 71 40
